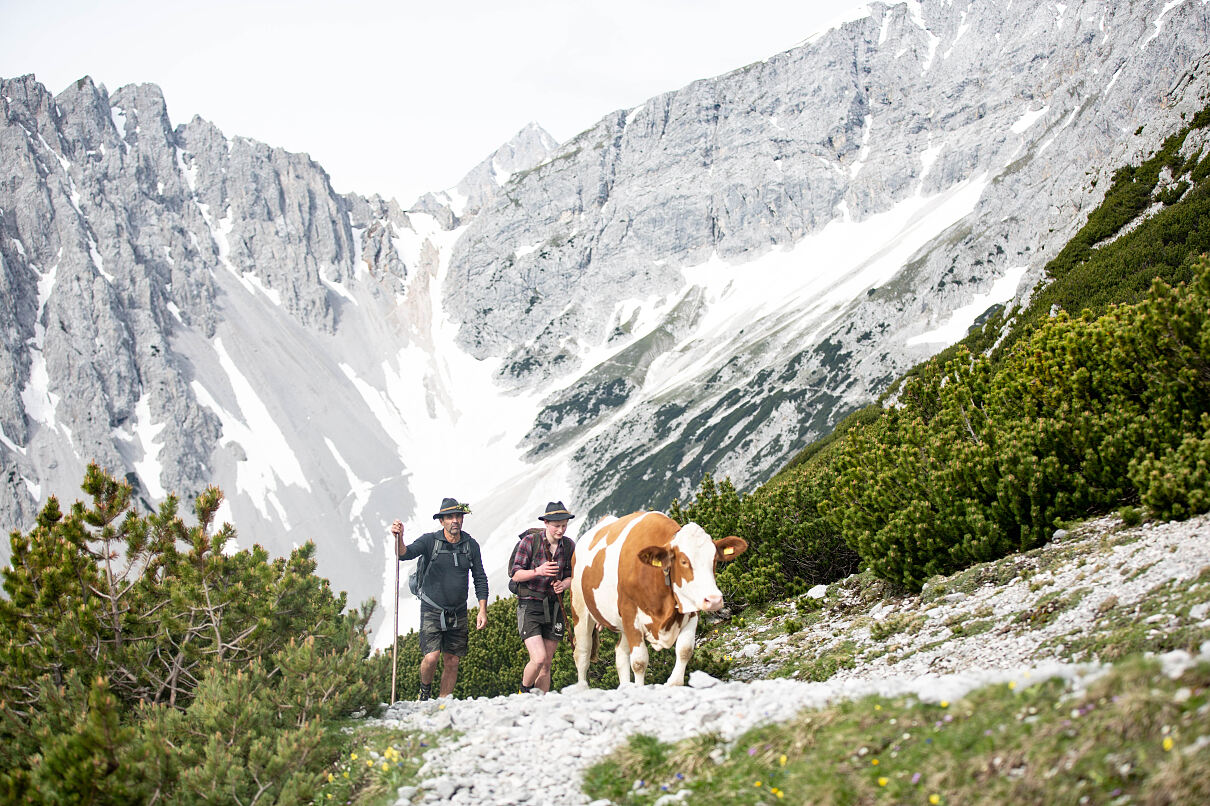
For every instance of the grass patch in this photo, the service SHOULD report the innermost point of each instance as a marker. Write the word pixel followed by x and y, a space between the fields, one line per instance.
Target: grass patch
pixel 1124 630
pixel 909 623
pixel 376 762
pixel 1049 608
pixel 1133 736
pixel 823 665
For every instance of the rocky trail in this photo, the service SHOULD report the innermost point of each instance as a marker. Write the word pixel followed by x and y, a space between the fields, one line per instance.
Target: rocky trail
pixel 1095 593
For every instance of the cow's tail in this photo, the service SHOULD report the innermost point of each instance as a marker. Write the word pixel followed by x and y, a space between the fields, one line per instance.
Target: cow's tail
pixel 596 644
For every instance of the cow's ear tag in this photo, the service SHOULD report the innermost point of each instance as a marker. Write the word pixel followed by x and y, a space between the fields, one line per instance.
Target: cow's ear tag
pixel 657 563
pixel 728 550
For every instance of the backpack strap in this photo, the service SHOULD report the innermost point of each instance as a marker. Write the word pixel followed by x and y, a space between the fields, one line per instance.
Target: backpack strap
pixel 462 548
pixel 533 534
pixel 564 564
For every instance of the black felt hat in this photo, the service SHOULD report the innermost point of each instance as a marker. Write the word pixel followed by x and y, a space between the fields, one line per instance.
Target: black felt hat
pixel 555 511
pixel 450 506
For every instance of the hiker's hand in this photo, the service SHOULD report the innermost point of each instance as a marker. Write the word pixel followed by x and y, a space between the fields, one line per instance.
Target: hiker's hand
pixel 560 585
pixel 481 620
pixel 397 530
pixel 547 569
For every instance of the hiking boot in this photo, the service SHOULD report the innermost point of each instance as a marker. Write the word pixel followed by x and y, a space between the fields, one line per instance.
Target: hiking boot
pixel 525 689
pixel 426 692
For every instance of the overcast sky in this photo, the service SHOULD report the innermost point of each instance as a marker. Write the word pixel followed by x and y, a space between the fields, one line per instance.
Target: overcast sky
pixel 399 98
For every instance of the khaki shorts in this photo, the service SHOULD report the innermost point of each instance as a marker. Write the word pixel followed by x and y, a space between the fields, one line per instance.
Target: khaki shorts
pixel 532 619
pixel 452 640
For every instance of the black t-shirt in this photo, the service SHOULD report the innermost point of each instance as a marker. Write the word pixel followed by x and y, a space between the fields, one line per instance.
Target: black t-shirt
pixel 446 581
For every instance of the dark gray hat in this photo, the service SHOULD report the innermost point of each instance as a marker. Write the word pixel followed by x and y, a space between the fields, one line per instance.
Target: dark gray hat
pixel 450 506
pixel 555 511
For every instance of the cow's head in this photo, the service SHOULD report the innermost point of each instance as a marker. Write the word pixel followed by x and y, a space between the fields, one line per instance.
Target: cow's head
pixel 688 566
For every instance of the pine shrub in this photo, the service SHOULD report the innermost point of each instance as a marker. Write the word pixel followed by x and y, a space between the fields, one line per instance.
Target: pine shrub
pixel 143 660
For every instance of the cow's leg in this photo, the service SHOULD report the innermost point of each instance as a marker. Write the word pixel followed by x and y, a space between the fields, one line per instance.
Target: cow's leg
pixel 583 652
pixel 638 661
pixel 684 651
pixel 621 658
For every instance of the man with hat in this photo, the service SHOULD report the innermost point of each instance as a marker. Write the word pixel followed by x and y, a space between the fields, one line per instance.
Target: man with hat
pixel 542 570
pixel 452 555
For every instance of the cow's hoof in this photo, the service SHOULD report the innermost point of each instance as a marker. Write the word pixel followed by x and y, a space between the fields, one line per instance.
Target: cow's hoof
pixel 574 687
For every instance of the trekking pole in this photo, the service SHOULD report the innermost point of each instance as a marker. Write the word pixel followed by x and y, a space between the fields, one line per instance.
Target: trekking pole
pixel 395 634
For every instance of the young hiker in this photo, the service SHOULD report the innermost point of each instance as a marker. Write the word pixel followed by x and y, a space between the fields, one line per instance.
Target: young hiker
pixel 541 568
pixel 449 557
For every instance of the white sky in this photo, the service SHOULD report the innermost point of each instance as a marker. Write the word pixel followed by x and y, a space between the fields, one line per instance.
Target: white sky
pixel 399 98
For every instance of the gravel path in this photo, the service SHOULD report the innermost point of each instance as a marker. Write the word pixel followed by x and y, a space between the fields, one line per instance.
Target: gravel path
pixel 489 760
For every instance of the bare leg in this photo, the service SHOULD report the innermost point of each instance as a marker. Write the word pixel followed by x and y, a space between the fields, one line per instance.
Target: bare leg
pixel 543 681
pixel 449 673
pixel 428 667
pixel 538 660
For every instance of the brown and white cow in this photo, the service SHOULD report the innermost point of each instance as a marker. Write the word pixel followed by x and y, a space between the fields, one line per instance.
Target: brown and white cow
pixel 645 577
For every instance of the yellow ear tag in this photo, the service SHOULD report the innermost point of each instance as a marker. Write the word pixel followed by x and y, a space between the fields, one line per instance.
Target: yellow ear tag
pixel 657 563
pixel 728 550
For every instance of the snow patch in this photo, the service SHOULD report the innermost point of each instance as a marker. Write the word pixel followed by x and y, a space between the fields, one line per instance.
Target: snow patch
pixel 149 468
pixel 40 403
pixel 916 10
pixel 864 151
pixel 961 319
pixel 97 260
pixel 118 115
pixel 927 158
pixel 190 173
pixel 8 443
pixel 268 459
pixel 1029 118
pixel 359 489
pixel 1159 20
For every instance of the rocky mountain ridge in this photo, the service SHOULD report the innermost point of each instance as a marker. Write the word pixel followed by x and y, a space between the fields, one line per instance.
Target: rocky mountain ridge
pixel 703 283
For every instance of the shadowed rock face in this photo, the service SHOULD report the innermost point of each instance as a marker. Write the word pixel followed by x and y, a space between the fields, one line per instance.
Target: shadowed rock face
pixel 703 283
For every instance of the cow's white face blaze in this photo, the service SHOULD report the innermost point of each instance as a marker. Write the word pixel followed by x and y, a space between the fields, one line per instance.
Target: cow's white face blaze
pixel 693 573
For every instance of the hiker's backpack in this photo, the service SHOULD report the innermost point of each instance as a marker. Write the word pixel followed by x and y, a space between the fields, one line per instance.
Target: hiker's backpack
pixel 568 547
pixel 421 569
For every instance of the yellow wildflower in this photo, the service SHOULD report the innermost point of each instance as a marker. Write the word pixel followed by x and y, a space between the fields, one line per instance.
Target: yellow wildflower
pixel 882 781
pixel 1168 743
pixel 782 760
pixel 934 799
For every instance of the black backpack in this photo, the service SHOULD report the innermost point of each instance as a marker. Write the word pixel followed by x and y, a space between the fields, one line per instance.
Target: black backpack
pixel 517 588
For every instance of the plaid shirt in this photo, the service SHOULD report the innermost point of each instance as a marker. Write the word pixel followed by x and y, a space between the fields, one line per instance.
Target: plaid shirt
pixel 541 586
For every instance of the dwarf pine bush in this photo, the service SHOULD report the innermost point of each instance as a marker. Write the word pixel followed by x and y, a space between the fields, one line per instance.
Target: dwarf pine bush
pixel 982 460
pixel 143 661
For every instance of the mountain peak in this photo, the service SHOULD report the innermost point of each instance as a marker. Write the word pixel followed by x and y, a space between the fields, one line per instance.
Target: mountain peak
pixel 529 147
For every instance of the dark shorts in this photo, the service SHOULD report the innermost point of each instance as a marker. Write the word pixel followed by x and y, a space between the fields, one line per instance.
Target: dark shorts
pixel 539 617
pixel 452 640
